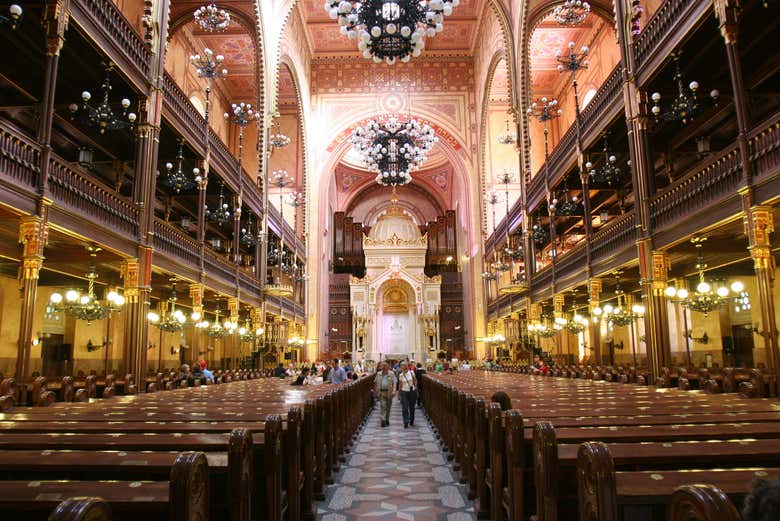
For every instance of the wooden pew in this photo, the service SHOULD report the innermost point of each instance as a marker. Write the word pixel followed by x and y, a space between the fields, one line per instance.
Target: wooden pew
pixel 82 509
pixel 183 497
pixel 701 503
pixel 604 494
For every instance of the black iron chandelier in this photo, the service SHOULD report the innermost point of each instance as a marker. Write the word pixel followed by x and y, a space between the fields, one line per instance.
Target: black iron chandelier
pixel 609 174
pixel 176 179
pixel 393 149
pixel 540 234
pixel 390 30
pixel 685 105
pixel 571 12
pixel 248 237
pixel 86 306
pixel 15 13
pixel 211 18
pixel 221 214
pixel 620 315
pixel 105 116
pixel 570 205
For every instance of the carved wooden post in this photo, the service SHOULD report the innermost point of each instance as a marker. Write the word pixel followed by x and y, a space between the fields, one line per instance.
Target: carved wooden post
pixel 33 232
pixel 196 296
pixel 594 329
pixel 233 311
pixel 643 180
pixel 136 274
pixel 758 226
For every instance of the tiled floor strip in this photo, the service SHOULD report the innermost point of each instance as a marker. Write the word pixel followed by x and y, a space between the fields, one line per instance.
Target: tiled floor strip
pixel 396 473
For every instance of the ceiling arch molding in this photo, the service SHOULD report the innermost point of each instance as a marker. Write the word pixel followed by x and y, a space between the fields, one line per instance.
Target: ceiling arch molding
pixel 530 18
pixel 373 188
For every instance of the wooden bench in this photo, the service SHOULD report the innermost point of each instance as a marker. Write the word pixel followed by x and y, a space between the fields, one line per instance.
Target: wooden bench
pixel 605 494
pixel 183 497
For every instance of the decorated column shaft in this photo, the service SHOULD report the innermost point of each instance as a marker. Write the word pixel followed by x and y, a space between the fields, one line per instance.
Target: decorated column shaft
pixel 594 330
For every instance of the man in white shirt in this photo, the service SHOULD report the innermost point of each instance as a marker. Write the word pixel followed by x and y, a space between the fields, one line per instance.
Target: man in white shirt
pixel 408 386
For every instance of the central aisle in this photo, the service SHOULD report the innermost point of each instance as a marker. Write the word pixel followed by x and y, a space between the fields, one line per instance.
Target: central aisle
pixel 396 473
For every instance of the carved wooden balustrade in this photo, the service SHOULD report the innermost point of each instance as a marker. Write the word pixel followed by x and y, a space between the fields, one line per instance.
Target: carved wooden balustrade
pixel 175 243
pixel 105 24
pixel 764 148
pixel 541 282
pixel 614 238
pixel 568 265
pixel 220 270
pixel 19 160
pixel 711 180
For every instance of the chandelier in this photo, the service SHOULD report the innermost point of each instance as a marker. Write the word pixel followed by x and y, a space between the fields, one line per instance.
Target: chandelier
pixel 707 296
pixel 277 256
pixel 177 179
pixel 277 139
pixel 686 105
pixel 544 328
pixel 210 18
pixel 247 237
pixel 488 275
pixel 221 214
pixel 216 329
pixel 393 149
pixel 569 205
pixel 104 116
pixel 539 233
pixel 609 174
pixel 86 306
pixel 619 315
pixel 576 324
pixel 507 137
pixel 173 319
pixel 15 13
pixel 247 333
pixel 390 30
pixel 571 12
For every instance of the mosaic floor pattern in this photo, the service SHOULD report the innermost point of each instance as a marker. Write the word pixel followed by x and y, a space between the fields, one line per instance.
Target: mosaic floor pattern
pixel 396 473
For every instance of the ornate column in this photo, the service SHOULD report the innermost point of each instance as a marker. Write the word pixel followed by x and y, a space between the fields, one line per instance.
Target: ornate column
pixel 558 303
pixel 33 233
pixel 654 267
pixel 758 226
pixel 196 296
pixel 233 306
pixel 594 329
pixel 136 274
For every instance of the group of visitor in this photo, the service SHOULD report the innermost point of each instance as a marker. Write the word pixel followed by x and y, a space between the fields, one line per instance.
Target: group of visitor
pixel 327 371
pixel 198 372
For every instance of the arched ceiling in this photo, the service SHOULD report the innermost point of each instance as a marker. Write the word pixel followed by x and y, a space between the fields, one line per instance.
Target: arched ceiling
pixel 237 44
pixel 547 38
pixel 458 38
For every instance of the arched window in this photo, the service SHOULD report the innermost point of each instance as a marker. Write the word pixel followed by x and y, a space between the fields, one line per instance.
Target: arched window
pixel 588 96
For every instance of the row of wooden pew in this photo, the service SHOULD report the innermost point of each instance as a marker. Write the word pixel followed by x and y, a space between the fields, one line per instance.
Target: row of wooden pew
pixel 564 448
pixel 251 449
pixel 750 382
pixel 42 391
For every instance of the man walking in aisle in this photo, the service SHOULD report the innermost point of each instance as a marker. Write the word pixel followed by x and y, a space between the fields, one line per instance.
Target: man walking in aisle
pixel 384 389
pixel 408 385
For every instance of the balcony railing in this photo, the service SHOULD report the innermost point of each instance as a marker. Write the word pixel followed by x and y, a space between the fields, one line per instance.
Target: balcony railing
pixel 764 148
pixel 116 36
pixel 604 102
pixel 19 158
pixel 176 243
pixel 91 199
pixel 219 267
pixel 613 237
pixel 706 183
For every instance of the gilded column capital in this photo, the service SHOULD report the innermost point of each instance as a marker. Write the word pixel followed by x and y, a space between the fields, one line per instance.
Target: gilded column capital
pixel 33 234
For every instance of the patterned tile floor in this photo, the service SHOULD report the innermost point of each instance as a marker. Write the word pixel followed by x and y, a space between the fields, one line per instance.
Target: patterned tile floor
pixel 396 473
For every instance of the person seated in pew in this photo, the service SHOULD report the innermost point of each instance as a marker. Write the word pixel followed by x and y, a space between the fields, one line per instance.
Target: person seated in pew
pixel 502 399
pixel 763 501
pixel 280 371
pixel 337 375
pixel 303 378
pixel 207 375
pixel 540 365
pixel 184 374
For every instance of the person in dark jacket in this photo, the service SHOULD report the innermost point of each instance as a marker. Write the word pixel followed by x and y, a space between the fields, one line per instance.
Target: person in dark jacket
pixel 418 372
